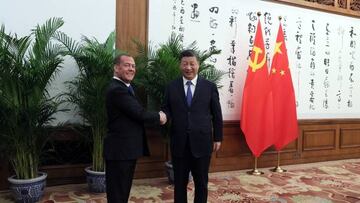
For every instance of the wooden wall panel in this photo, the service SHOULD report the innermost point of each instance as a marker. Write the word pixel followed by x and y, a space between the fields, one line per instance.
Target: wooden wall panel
pixel 65 174
pixel 233 142
pixel 157 146
pixel 154 165
pixel 4 174
pixel 321 139
pixel 291 147
pixel 231 146
pixel 350 137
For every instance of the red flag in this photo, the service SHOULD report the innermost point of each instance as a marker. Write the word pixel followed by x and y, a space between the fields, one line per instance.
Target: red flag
pixel 257 106
pixel 285 120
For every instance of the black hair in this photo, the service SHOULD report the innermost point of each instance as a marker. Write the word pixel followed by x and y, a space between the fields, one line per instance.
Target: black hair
pixel 117 59
pixel 189 53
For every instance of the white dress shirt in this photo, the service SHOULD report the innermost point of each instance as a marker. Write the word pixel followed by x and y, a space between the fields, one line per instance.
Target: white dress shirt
pixel 192 87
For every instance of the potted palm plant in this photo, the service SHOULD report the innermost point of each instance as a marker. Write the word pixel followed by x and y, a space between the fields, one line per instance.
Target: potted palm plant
pixel 87 92
pixel 156 68
pixel 27 66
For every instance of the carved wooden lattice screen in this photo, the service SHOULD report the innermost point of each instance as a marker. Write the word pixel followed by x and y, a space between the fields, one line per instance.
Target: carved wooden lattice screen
pixel 344 7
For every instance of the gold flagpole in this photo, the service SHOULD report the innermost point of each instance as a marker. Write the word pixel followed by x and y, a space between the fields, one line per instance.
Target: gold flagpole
pixel 278 168
pixel 255 171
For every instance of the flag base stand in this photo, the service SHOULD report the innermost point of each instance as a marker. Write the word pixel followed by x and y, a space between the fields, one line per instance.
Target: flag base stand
pixel 278 169
pixel 255 171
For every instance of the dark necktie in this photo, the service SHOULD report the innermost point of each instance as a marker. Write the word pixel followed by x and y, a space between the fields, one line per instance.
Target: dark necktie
pixel 188 93
pixel 131 90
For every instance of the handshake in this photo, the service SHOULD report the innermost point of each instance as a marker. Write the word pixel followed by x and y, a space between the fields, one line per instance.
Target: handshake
pixel 162 118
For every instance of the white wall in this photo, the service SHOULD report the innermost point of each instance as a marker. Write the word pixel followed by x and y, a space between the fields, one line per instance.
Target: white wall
pixel 91 18
pixel 314 88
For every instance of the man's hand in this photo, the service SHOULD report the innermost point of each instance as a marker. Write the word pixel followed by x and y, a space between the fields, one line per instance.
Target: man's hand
pixel 162 118
pixel 216 146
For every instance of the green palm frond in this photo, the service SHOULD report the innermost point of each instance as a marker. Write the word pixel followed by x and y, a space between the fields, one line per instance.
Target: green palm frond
pixel 72 46
pixel 110 41
pixel 27 66
pixel 43 34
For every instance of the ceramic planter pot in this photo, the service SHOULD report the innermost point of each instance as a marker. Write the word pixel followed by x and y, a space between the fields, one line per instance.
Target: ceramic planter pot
pixel 95 180
pixel 28 190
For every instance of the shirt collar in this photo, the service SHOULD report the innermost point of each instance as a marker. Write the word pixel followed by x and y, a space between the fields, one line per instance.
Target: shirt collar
pixel 193 81
pixel 117 78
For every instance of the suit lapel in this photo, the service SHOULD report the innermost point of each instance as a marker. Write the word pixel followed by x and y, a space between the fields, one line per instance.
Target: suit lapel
pixel 180 90
pixel 199 83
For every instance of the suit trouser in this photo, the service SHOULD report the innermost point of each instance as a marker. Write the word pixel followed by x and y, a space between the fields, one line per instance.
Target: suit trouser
pixel 199 168
pixel 119 175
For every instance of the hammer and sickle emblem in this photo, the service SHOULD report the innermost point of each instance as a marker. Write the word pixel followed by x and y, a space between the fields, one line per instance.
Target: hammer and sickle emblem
pixel 254 64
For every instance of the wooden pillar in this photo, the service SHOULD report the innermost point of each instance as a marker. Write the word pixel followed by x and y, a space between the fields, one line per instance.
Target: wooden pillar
pixel 131 23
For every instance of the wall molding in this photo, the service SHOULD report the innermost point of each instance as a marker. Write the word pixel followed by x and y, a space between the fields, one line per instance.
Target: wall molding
pixel 341 7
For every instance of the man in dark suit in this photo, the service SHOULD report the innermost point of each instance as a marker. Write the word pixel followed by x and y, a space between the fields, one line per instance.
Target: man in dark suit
pixel 192 104
pixel 125 140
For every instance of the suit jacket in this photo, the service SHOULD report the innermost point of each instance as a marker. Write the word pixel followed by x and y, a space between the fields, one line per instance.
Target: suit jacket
pixel 201 123
pixel 126 132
